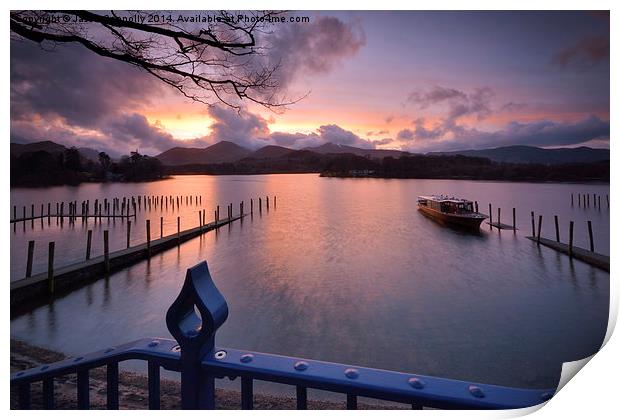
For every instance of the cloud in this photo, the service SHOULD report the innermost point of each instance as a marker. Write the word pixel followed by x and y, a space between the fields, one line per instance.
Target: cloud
pixel 313 48
pixel 243 128
pixel 586 53
pixel 74 84
pixel 540 133
pixel 382 142
pixel 334 134
pixel 458 103
pixel 436 95
pixel 405 134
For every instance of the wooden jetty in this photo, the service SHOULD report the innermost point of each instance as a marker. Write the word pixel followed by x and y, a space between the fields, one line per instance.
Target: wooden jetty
pixel 597 260
pixel 498 224
pixel 69 277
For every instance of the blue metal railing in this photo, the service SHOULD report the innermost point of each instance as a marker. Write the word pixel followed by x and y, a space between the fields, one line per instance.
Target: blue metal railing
pixel 193 320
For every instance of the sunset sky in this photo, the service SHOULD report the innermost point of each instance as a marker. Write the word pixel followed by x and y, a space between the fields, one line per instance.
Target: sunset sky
pixel 416 81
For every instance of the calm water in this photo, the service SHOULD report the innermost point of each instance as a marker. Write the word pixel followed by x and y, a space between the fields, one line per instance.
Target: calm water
pixel 344 270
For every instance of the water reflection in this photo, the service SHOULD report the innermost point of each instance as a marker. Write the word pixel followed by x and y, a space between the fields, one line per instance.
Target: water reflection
pixel 347 271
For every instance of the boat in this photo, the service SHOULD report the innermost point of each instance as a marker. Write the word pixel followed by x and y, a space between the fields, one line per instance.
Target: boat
pixel 450 210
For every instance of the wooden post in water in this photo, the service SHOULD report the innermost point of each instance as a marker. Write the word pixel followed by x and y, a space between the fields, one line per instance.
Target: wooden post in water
pixel 161 226
pixel 106 252
pixel 32 210
pixel 571 199
pixel 514 220
pixel 50 267
pixel 49 208
pixel 260 205
pixel 217 214
pixel 476 203
pixel 499 222
pixel 128 233
pixel 89 239
pixel 267 200
pixel 570 238
pixel 148 237
pixel 251 206
pixel 490 217
pixel 539 226
pixel 29 260
pixel 591 237
pixel 14 212
pixel 599 202
pixel 588 200
pixel 178 229
pixel 275 203
pixel 533 226
pixel 579 199
pixel 557 228
pixel 200 220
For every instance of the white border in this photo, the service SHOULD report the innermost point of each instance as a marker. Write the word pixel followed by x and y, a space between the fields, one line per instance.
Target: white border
pixel 592 394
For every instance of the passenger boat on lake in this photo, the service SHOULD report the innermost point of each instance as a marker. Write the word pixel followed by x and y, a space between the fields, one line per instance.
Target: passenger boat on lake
pixel 451 210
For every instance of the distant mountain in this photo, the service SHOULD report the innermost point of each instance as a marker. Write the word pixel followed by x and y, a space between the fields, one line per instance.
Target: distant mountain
pixel 18 149
pixel 270 152
pixel 332 148
pixel 222 152
pixel 529 154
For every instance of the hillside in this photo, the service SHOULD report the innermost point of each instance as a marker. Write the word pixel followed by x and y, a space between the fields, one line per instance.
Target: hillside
pixel 224 151
pixel 529 154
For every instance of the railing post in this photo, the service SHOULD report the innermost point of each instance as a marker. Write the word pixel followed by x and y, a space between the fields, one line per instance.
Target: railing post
pixel 193 319
pixel 302 398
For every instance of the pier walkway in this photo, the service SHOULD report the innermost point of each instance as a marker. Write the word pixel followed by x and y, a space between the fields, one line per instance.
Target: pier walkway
pixel 74 275
pixel 597 260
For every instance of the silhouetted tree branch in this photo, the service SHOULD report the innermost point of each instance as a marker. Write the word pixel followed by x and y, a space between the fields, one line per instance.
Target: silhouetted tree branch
pixel 217 63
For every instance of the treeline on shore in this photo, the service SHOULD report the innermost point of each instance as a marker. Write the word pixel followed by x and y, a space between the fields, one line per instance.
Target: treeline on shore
pixel 43 168
pixel 415 166
pixel 463 167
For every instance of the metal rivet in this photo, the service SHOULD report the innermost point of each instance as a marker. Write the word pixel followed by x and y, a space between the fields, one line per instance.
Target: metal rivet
pixel 416 383
pixel 246 358
pixel 546 396
pixel 154 343
pixel 351 373
pixel 44 367
pixel 220 354
pixel 476 391
pixel 301 365
pixel 108 350
pixel 77 359
pixel 176 348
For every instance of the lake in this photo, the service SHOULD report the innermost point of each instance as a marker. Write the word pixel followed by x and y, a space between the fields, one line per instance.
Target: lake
pixel 343 270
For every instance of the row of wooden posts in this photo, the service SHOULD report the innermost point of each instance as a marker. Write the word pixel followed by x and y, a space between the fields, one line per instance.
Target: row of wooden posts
pixel 583 200
pixel 535 233
pixel 109 208
pixel 106 250
pixel 571 225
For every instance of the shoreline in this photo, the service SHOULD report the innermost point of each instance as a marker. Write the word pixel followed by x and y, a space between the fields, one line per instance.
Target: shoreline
pixel 133 389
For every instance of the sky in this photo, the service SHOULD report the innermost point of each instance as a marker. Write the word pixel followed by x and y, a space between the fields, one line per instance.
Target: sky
pixel 415 81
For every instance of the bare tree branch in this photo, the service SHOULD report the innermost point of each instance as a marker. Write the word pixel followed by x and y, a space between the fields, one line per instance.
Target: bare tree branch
pixel 222 62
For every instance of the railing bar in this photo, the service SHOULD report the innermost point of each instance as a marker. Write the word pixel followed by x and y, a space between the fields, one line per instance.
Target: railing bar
pixel 48 394
pixel 247 393
pixel 24 396
pixel 302 398
pixel 112 386
pixel 154 389
pixel 351 402
pixel 83 392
